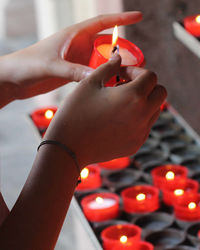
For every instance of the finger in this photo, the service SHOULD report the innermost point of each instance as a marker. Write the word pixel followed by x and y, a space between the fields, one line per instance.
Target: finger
pixel 157 96
pixel 70 71
pixel 154 118
pixel 144 81
pixel 104 72
pixel 102 22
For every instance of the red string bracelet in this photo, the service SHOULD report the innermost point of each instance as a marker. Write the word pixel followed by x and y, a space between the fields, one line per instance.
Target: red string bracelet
pixel 66 149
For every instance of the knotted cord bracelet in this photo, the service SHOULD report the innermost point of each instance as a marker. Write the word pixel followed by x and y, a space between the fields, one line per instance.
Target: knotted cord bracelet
pixel 66 149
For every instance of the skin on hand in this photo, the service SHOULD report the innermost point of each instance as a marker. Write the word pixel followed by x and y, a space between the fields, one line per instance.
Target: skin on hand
pixel 61 58
pixel 100 123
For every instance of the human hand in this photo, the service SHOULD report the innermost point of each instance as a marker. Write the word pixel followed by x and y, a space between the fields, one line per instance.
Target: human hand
pixel 58 59
pixel 100 123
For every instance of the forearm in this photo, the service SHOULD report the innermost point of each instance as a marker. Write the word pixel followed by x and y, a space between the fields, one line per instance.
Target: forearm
pixel 38 215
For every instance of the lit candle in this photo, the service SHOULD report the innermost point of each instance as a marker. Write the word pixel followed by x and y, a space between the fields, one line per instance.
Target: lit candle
pixel 43 116
pixel 192 25
pixel 126 236
pixel 90 178
pixel 168 175
pixel 188 208
pixel 140 199
pixel 172 193
pixel 103 47
pixel 115 164
pixel 100 206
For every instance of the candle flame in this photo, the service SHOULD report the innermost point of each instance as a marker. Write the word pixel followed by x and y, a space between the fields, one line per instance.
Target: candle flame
pixel 115 36
pixel 49 114
pixel 197 19
pixel 179 192
pixel 192 205
pixel 123 239
pixel 99 200
pixel 84 173
pixel 141 197
pixel 170 175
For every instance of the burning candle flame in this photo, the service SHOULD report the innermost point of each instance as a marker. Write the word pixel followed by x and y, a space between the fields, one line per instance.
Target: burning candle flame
pixel 99 200
pixel 123 239
pixel 141 197
pixel 197 19
pixel 84 173
pixel 179 192
pixel 115 36
pixel 192 205
pixel 170 175
pixel 49 114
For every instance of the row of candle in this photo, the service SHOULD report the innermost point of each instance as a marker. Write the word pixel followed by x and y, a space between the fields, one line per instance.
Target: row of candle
pixel 177 189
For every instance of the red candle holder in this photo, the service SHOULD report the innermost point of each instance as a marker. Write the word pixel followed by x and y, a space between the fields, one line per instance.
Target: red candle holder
pixel 192 25
pixel 124 236
pixel 169 175
pixel 115 164
pixel 144 245
pixel 140 199
pixel 90 178
pixel 188 208
pixel 100 206
pixel 43 116
pixel 171 194
pixel 99 56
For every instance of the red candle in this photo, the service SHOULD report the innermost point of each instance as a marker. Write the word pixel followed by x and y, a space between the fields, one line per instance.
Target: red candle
pixel 168 175
pixel 124 236
pixel 115 164
pixel 43 116
pixel 171 194
pixel 192 25
pixel 188 208
pixel 100 206
pixel 90 178
pixel 140 199
pixel 102 51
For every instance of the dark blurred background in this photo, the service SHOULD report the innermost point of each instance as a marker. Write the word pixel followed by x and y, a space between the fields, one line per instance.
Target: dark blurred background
pixel 177 67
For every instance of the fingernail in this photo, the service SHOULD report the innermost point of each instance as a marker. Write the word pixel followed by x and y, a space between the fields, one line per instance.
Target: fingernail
pixel 115 57
pixel 88 72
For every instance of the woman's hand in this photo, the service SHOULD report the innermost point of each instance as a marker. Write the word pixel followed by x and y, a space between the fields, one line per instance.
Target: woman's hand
pixel 101 123
pixel 58 59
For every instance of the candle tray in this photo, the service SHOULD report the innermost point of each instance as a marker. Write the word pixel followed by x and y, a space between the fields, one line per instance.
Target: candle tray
pixel 171 141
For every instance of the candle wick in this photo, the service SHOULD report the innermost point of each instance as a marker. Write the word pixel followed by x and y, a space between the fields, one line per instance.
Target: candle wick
pixel 116 48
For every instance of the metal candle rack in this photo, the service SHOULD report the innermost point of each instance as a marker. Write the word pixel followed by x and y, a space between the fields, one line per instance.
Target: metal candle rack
pixel 172 141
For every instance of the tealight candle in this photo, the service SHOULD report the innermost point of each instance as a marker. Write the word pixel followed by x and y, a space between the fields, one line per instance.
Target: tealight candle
pixel 188 208
pixel 168 175
pixel 102 51
pixel 43 116
pixel 100 206
pixel 126 236
pixel 192 25
pixel 115 164
pixel 90 178
pixel 171 194
pixel 140 199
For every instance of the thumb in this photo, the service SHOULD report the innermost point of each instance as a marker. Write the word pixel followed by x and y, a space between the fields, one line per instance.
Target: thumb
pixel 70 71
pixel 104 72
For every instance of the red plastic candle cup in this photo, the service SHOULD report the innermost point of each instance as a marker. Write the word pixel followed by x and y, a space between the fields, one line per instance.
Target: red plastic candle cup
pixel 192 25
pixel 171 194
pixel 100 206
pixel 43 116
pixel 115 164
pixel 168 175
pixel 125 237
pixel 140 199
pixel 90 178
pixel 144 245
pixel 102 51
pixel 188 208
